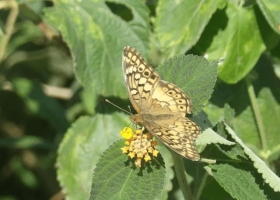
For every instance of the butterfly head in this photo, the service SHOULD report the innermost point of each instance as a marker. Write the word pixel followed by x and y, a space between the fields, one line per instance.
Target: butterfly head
pixel 137 118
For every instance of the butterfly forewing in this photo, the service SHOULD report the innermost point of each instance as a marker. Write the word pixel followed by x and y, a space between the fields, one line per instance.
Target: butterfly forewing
pixel 161 106
pixel 141 80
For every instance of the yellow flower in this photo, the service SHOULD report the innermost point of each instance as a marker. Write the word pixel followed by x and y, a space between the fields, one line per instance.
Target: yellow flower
pixel 124 149
pixel 139 146
pixel 151 150
pixel 147 157
pixel 139 155
pixel 155 153
pixel 126 133
pixel 131 154
pixel 138 131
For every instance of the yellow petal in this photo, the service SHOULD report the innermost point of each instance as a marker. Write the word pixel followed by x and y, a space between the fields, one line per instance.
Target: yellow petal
pixel 131 154
pixel 140 155
pixel 126 133
pixel 155 153
pixel 147 158
pixel 150 150
pixel 124 150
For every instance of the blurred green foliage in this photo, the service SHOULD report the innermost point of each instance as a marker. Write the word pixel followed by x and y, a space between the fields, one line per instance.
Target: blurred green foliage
pixel 60 59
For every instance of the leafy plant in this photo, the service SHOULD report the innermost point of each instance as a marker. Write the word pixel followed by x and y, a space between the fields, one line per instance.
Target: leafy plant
pixel 41 43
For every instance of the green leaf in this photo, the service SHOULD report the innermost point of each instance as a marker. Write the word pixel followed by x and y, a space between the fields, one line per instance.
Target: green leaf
pixel 270 178
pixel 96 38
pixel 81 148
pixel 270 110
pixel 212 185
pixel 211 137
pixel 270 9
pixel 228 114
pixel 238 40
pixel 24 175
pixel 214 113
pixel 115 178
pixel 245 125
pixel 179 25
pixel 269 36
pixel 31 10
pixel 26 32
pixel 194 74
pixel 89 100
pixel 26 142
pixel 38 103
pixel 237 180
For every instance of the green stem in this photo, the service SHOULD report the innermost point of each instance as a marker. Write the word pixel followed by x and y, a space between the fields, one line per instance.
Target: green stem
pixel 257 113
pixel 181 176
pixel 9 27
pixel 201 186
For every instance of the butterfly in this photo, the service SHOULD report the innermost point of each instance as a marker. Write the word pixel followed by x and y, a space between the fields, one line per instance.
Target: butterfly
pixel 161 106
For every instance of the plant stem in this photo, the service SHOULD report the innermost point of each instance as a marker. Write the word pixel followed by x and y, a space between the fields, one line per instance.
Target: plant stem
pixel 201 186
pixel 181 176
pixel 257 113
pixel 9 27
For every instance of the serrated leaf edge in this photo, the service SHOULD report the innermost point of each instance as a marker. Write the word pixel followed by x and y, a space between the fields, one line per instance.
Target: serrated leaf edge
pixel 269 176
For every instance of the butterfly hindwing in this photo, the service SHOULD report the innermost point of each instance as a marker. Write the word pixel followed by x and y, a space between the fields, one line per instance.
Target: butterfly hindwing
pixel 179 135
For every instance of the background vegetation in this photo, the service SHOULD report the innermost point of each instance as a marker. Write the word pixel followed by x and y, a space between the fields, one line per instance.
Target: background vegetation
pixel 59 60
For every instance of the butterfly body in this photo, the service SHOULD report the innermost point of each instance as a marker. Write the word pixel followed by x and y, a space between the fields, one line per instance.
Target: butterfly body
pixel 161 106
pixel 145 118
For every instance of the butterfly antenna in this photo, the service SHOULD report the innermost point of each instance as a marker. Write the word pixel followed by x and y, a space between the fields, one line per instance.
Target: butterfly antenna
pixel 117 106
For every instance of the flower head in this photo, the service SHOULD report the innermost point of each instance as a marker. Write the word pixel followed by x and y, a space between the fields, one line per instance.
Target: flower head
pixel 139 145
